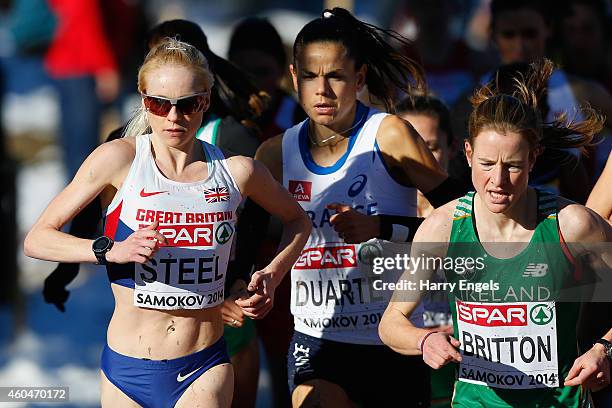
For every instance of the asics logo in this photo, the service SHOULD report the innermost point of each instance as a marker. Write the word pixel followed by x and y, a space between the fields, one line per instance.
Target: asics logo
pixel 181 378
pixel 152 193
pixel 535 270
pixel 358 185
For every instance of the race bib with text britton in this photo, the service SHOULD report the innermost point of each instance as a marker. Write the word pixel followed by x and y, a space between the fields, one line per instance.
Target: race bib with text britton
pixel 508 345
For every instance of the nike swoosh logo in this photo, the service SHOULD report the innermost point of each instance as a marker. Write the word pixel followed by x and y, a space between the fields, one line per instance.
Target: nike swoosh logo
pixel 143 194
pixel 181 378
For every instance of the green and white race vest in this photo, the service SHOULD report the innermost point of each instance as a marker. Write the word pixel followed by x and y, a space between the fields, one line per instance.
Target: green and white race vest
pixel 517 342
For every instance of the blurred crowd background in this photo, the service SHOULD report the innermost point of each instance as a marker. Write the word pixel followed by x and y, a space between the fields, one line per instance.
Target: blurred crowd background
pixel 68 78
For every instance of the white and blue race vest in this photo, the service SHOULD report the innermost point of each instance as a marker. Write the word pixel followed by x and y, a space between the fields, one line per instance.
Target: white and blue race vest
pixel 333 295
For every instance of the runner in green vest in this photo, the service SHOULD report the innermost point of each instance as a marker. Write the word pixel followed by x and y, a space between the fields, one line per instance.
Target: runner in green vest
pixel 515 345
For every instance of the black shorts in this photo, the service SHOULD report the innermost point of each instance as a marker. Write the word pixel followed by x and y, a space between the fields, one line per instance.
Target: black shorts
pixel 372 376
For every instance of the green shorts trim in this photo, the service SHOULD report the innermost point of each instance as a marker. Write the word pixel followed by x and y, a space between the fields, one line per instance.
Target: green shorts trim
pixel 442 384
pixel 238 338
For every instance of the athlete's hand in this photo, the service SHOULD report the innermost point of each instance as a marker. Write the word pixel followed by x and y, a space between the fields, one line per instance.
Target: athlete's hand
pixel 138 247
pixel 232 313
pixel 592 369
pixel 353 226
pixel 54 288
pixel 261 299
pixel 440 349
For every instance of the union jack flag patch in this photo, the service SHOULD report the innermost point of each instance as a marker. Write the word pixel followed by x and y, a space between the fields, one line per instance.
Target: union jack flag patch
pixel 216 194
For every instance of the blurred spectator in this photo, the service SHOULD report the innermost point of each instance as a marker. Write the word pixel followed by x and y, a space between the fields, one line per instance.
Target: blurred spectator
pixel 256 47
pixel 31 26
pixel 520 29
pixel 126 25
pixel 582 31
pixel 83 66
pixel 451 67
pixel 580 44
pixel 477 27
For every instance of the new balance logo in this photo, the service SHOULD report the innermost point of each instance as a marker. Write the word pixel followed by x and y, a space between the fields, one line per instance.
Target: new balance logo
pixel 535 270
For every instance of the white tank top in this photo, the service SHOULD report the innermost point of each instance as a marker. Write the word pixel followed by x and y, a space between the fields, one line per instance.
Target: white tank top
pixel 332 294
pixel 198 220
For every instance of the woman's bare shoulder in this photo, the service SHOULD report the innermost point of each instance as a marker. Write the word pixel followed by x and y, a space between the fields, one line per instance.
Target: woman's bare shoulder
pixel 581 224
pixel 437 226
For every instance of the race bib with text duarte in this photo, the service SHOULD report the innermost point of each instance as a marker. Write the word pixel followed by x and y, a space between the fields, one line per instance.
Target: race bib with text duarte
pixel 508 345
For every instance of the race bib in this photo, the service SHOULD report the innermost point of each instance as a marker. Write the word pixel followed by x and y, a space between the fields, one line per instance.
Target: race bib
pixel 508 345
pixel 180 278
pixel 337 295
pixel 332 294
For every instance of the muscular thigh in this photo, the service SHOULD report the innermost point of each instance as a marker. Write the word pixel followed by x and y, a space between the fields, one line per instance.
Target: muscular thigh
pixel 213 389
pixel 320 393
pixel 112 396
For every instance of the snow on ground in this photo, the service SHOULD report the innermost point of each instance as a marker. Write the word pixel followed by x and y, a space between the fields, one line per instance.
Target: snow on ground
pixel 37 184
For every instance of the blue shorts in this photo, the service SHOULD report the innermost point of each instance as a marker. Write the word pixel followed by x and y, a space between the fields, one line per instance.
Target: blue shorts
pixel 372 376
pixel 160 383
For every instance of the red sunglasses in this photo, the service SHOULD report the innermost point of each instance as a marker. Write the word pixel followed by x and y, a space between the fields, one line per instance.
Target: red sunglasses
pixel 161 106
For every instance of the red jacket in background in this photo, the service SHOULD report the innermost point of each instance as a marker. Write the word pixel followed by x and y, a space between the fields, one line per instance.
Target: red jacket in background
pixel 80 46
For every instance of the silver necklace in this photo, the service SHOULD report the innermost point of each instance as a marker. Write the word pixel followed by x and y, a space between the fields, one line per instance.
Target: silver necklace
pixel 322 143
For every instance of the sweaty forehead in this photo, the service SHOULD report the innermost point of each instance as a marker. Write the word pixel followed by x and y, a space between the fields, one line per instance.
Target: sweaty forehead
pixel 508 145
pixel 324 53
pixel 173 81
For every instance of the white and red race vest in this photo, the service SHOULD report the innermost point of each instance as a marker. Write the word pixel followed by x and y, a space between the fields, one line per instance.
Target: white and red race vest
pixel 198 220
